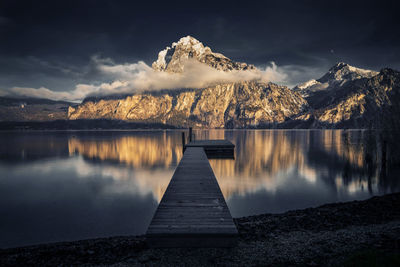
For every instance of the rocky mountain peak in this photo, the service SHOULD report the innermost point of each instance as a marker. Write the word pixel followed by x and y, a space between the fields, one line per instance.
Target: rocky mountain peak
pixel 174 57
pixel 191 43
pixel 339 66
pixel 335 78
pixel 344 72
pixel 389 72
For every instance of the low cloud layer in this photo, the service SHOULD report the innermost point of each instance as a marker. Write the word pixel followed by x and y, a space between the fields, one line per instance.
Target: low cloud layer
pixel 136 77
pixel 140 76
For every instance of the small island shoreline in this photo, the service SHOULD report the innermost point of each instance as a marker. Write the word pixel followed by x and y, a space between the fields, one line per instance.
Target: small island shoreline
pixel 349 233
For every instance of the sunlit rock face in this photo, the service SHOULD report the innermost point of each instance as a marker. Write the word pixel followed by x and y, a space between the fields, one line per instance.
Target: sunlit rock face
pixel 172 59
pixel 224 105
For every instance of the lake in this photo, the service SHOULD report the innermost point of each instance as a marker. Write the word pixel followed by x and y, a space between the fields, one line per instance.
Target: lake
pixel 62 186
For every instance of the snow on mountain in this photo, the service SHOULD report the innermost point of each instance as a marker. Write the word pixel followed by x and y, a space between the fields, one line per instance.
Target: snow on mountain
pixel 307 84
pixel 344 72
pixel 336 77
pixel 174 57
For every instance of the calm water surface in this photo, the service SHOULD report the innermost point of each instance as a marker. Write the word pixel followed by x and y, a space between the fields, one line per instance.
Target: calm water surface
pixel 59 186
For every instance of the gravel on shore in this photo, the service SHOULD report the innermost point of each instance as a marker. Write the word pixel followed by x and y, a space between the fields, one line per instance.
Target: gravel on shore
pixel 356 233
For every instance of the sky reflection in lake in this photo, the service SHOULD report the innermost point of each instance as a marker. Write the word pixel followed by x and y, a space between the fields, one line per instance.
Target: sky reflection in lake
pixel 75 185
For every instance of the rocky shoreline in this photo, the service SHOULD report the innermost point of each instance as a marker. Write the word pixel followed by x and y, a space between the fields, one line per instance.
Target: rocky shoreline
pixel 351 233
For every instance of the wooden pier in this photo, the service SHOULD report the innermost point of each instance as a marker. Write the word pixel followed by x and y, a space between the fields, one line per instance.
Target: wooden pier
pixel 193 211
pixel 215 148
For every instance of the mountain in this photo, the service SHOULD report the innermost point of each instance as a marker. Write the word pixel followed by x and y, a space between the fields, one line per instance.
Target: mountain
pixel 240 104
pixel 335 78
pixel 356 103
pixel 345 97
pixel 32 109
pixel 227 105
pixel 172 59
pixel 16 101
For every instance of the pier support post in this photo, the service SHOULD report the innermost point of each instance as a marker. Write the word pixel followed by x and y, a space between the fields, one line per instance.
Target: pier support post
pixel 183 141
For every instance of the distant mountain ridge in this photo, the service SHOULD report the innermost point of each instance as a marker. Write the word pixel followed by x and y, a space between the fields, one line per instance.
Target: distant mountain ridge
pixel 12 101
pixel 32 109
pixel 345 97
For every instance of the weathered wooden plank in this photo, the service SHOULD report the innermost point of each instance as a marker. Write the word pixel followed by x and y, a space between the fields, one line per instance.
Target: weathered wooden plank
pixel 193 211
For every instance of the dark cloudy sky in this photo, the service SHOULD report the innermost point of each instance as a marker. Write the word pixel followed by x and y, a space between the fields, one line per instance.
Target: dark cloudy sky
pixel 51 44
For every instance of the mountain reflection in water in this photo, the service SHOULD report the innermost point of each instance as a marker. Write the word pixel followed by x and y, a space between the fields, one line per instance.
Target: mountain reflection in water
pixel 73 185
pixel 265 160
